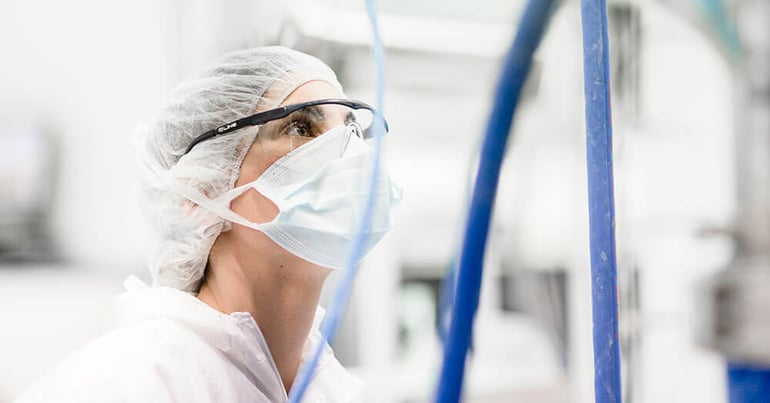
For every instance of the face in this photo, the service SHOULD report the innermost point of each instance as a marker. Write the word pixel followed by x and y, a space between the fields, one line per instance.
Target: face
pixel 251 204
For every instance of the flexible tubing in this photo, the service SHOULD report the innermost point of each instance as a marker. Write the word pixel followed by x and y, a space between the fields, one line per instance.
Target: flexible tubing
pixel 345 286
pixel 514 73
pixel 601 203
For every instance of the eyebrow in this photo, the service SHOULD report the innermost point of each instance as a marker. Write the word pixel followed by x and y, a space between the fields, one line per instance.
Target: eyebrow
pixel 318 112
pixel 314 110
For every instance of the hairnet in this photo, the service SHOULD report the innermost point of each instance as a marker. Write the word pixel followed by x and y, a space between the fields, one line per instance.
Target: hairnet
pixel 234 86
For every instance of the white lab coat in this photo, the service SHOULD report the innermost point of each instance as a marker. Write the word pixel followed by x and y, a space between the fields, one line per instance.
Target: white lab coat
pixel 168 346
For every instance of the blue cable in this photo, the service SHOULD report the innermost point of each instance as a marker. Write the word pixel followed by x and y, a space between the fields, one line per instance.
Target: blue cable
pixel 344 288
pixel 601 201
pixel 515 69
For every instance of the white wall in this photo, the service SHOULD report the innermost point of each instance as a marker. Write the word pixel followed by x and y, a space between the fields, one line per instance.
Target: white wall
pixel 92 70
pixel 95 70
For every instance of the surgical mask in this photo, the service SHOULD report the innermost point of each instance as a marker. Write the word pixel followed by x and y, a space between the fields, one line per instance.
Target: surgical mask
pixel 320 190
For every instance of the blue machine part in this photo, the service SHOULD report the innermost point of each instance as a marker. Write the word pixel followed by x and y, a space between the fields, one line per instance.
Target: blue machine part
pixel 748 384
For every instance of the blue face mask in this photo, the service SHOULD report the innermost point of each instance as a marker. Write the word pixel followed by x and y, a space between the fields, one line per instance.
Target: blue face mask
pixel 320 189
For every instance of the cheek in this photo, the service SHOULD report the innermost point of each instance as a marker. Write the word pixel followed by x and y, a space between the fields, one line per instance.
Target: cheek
pixel 254 207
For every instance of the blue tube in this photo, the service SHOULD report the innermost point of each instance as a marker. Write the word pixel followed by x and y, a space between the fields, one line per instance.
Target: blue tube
pixel 748 384
pixel 514 73
pixel 345 286
pixel 601 203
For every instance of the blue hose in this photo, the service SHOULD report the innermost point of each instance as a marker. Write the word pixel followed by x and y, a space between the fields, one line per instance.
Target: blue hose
pixel 515 69
pixel 344 288
pixel 601 202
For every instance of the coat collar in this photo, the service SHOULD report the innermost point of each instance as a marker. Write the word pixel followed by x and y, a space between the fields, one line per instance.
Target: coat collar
pixel 238 338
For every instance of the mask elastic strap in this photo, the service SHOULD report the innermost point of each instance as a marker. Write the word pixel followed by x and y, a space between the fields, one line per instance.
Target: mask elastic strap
pixel 214 206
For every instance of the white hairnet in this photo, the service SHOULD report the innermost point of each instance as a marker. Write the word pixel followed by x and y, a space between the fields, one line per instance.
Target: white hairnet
pixel 234 86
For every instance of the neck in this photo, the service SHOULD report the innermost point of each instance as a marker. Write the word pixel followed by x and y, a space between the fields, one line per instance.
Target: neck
pixel 281 295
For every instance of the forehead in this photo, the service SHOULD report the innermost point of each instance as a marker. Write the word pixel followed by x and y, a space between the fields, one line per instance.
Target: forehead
pixel 310 91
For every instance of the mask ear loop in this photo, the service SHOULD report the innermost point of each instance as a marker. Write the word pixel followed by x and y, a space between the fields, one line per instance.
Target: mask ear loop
pixel 218 206
pixel 351 128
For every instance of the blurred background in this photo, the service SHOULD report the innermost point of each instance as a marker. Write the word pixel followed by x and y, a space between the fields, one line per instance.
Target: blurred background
pixel 77 77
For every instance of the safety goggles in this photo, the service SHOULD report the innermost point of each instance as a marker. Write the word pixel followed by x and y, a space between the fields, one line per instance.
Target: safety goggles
pixel 285 128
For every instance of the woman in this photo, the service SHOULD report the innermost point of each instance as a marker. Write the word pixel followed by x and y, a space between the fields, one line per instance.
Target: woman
pixel 253 178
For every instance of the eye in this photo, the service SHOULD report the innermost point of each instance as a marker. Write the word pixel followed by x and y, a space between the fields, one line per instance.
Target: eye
pixel 300 127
